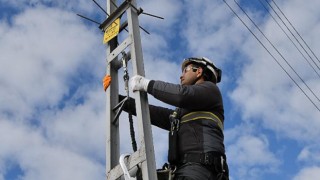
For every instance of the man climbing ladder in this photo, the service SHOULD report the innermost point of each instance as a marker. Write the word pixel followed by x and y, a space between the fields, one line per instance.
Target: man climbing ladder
pixel 196 147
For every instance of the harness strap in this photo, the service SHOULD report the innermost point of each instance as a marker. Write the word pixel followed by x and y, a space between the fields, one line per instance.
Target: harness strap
pixel 198 115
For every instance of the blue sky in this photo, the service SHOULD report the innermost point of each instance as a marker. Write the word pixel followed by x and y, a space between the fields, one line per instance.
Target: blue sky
pixel 52 106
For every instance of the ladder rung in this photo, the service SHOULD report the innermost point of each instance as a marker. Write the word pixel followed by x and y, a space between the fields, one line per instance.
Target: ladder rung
pixel 127 42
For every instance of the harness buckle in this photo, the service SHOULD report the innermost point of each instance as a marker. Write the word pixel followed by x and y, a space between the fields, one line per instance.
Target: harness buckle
pixel 174 122
pixel 222 164
pixel 207 159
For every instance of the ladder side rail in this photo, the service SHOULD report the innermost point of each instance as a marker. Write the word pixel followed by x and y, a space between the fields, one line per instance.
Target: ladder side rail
pixel 112 130
pixel 142 107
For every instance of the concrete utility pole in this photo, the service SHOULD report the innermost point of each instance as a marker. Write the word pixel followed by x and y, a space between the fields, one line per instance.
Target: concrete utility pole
pixel 144 157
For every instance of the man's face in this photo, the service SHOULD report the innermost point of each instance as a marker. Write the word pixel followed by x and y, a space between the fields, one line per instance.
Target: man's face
pixel 189 75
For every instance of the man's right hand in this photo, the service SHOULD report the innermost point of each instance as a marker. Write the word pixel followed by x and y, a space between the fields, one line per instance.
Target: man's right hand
pixel 139 83
pixel 106 82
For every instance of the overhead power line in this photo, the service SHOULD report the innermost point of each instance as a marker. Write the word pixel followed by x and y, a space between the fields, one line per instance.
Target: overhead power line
pixel 235 13
pixel 295 29
pixel 276 50
pixel 295 37
pixel 305 58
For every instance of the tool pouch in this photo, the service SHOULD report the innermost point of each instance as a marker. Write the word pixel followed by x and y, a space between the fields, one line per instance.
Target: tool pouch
pixel 166 173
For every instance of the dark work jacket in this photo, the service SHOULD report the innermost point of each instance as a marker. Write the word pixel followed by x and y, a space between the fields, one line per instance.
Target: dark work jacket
pixel 198 136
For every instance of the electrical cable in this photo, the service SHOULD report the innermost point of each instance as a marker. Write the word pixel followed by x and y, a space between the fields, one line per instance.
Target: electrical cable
pixel 293 34
pixel 289 38
pixel 115 5
pixel 295 30
pixel 100 7
pixel 88 19
pixel 276 50
pixel 270 54
pixel 105 12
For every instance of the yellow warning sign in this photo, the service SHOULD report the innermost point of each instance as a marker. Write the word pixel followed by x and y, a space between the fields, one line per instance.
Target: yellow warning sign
pixel 112 31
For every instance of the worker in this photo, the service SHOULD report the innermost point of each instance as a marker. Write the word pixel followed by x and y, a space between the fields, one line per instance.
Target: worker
pixel 196 139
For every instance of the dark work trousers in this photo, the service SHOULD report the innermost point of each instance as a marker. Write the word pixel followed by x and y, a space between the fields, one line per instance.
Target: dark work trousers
pixel 196 171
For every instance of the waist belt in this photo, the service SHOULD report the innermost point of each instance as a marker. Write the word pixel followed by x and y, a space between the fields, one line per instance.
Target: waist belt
pixel 212 161
pixel 210 158
pixel 202 115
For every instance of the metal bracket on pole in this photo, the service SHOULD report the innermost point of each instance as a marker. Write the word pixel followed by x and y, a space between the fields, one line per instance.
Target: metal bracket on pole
pixel 114 15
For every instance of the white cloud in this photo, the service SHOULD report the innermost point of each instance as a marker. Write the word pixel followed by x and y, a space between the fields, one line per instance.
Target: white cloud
pixel 52 114
pixel 308 173
pixel 249 155
pixel 267 96
pixel 212 32
pixel 41 51
pixel 166 9
pixel 39 159
pixel 244 153
pixel 154 46
pixel 310 154
pixel 80 127
pixel 265 91
pixel 81 5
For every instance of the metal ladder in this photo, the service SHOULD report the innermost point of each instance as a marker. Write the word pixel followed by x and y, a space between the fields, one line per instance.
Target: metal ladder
pixel 144 157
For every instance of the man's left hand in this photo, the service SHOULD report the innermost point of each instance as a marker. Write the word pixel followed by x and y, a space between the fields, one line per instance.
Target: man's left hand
pixel 106 82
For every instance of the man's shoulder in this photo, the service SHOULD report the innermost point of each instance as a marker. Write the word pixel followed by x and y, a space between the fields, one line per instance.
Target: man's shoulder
pixel 209 86
pixel 208 83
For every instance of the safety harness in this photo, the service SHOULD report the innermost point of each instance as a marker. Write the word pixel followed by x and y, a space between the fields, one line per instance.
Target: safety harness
pixel 214 160
pixel 175 124
pixel 202 115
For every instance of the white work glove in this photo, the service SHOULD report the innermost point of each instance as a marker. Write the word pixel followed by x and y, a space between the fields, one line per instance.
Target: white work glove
pixel 139 83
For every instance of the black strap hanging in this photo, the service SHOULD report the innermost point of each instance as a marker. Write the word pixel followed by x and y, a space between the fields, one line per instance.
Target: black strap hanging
pixel 126 84
pixel 125 100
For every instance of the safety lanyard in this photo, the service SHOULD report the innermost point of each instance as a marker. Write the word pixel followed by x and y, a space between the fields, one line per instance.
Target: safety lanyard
pixel 174 121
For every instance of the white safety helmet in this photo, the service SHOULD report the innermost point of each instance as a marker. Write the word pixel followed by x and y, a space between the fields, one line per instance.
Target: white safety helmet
pixel 207 64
